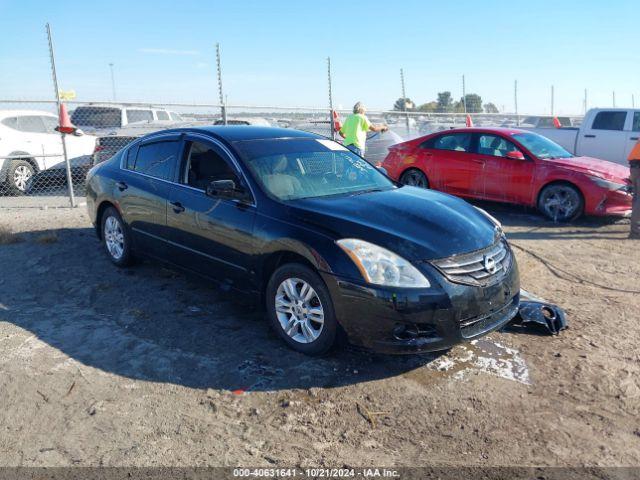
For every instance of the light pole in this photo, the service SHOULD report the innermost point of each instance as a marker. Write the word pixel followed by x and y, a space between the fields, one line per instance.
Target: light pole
pixel 113 83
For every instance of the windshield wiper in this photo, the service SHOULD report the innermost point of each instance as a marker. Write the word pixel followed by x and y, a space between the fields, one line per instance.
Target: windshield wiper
pixel 368 191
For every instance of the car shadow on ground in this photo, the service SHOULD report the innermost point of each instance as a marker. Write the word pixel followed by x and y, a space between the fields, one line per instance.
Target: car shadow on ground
pixel 154 324
pixel 541 228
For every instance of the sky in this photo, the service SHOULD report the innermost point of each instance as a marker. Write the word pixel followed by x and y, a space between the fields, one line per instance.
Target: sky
pixel 275 52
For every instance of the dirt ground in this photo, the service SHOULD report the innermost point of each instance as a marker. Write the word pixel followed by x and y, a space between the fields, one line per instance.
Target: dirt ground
pixel 148 367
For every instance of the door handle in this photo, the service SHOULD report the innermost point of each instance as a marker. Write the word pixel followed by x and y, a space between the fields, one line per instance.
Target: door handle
pixel 589 136
pixel 177 207
pixel 122 186
pixel 633 138
pixel 477 160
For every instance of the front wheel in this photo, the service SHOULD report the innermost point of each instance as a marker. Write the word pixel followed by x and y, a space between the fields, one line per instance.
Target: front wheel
pixel 560 202
pixel 415 178
pixel 300 309
pixel 20 177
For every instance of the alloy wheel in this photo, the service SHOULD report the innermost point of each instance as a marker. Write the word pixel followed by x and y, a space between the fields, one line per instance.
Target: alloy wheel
pixel 561 203
pixel 22 176
pixel 415 178
pixel 299 310
pixel 114 237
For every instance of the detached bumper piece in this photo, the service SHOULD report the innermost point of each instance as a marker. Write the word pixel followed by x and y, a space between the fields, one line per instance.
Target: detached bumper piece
pixel 537 313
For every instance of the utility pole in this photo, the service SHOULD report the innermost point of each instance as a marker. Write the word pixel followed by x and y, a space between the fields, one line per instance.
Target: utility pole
pixel 72 199
pixel 113 83
pixel 613 98
pixel 404 99
pixel 223 107
pixel 515 100
pixel 331 119
pixel 464 95
pixel 552 99
pixel 585 101
pixel 633 101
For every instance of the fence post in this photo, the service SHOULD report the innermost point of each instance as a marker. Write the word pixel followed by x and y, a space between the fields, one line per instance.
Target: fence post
pixel 515 100
pixel 72 199
pixel 404 102
pixel 331 119
pixel 223 107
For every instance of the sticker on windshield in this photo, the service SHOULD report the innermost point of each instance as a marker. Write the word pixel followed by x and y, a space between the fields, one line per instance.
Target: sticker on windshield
pixel 331 145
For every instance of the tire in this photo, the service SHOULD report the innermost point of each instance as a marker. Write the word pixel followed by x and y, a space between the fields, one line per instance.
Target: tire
pixel 116 238
pixel 561 202
pixel 285 307
pixel 414 178
pixel 20 175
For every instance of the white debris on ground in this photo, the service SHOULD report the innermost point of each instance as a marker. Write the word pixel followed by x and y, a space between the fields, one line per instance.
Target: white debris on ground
pixel 484 355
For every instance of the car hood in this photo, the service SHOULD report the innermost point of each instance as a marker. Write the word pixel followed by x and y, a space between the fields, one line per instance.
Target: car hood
pixel 415 223
pixel 592 166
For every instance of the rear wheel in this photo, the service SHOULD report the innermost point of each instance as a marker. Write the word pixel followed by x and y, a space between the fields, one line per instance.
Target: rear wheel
pixel 115 237
pixel 20 177
pixel 300 309
pixel 560 202
pixel 415 178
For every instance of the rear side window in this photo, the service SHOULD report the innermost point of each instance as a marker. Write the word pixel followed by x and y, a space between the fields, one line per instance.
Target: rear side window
pixel 636 122
pixel 456 142
pixel 50 124
pixel 31 124
pixel 134 116
pixel 96 117
pixel 609 121
pixel 11 122
pixel 162 115
pixel 156 159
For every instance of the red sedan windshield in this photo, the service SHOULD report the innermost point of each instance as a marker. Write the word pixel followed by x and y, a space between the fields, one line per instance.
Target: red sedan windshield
pixel 541 146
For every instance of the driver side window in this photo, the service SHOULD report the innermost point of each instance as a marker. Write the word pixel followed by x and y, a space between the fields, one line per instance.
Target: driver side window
pixel 494 145
pixel 203 164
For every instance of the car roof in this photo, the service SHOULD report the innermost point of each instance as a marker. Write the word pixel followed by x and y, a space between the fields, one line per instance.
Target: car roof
pixel 118 106
pixel 238 133
pixel 19 113
pixel 502 130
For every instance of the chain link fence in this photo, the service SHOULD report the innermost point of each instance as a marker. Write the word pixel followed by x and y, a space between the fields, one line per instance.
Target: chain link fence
pixel 33 167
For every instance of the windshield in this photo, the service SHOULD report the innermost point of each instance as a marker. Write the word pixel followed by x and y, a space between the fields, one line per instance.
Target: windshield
pixel 540 146
pixel 309 168
pixel 98 117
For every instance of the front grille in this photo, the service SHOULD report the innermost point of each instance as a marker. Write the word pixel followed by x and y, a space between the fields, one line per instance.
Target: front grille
pixel 473 327
pixel 481 268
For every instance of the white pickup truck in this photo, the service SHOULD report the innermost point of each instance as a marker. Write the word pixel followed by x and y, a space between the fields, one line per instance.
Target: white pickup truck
pixel 605 133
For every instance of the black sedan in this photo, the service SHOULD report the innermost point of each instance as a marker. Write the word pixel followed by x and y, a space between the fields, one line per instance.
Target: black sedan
pixel 327 242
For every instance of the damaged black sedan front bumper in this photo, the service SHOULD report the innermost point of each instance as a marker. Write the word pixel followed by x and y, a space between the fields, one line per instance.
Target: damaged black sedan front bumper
pixel 397 320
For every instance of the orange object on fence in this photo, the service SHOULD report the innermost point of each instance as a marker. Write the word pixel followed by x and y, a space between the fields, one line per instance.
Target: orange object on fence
pixel 556 122
pixel 336 121
pixel 468 122
pixel 64 122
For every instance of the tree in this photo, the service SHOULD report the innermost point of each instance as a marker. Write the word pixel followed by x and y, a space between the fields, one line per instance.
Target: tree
pixel 401 103
pixel 490 108
pixel 473 101
pixel 445 102
pixel 428 107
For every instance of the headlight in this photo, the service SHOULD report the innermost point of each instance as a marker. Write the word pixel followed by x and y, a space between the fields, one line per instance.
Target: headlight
pixel 493 219
pixel 379 266
pixel 601 182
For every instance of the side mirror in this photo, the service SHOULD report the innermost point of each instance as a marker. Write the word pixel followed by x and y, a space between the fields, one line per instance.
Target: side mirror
pixel 225 189
pixel 515 155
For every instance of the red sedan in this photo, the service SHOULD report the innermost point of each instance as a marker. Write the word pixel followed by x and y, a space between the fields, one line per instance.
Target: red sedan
pixel 514 166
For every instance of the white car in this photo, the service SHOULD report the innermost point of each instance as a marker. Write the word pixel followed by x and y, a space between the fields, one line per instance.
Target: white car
pixel 108 119
pixel 30 146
